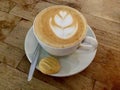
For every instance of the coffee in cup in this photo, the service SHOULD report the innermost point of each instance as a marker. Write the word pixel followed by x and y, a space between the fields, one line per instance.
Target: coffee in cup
pixel 60 29
pixel 60 26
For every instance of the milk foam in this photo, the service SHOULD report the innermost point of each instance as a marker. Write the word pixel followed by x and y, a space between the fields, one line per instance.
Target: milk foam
pixel 64 20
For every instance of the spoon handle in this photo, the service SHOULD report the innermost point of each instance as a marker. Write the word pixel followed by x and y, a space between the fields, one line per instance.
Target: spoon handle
pixel 34 63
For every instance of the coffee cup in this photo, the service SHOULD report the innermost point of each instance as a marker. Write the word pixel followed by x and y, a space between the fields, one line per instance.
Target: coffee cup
pixel 61 30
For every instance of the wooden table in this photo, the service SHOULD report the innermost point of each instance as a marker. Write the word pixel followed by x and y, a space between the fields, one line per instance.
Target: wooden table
pixel 102 74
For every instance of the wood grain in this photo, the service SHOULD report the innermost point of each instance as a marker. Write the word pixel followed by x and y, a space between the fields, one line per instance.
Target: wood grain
pixel 103 73
pixel 78 82
pixel 17 36
pixel 107 56
pixel 22 12
pixel 17 16
pixel 108 39
pixel 40 6
pixel 101 86
pixel 6 5
pixel 73 2
pixel 108 9
pixel 12 79
pixel 25 2
pixel 7 23
pixel 103 24
pixel 10 55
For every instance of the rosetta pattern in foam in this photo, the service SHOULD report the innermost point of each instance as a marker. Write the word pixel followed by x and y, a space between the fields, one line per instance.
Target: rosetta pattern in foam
pixel 64 27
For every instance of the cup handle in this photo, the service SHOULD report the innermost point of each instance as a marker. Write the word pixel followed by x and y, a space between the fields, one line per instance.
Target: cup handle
pixel 89 43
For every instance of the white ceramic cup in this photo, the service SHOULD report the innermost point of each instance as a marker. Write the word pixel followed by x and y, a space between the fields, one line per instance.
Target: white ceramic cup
pixel 87 43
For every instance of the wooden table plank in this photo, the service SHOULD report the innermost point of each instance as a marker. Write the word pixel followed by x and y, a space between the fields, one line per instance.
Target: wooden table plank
pixel 107 56
pixel 72 2
pixel 103 24
pixel 7 23
pixel 108 9
pixel 101 86
pixel 10 55
pixel 17 36
pixel 12 79
pixel 102 74
pixel 29 13
pixel 40 6
pixel 25 2
pixel 6 5
pixel 108 39
pixel 78 82
pixel 22 12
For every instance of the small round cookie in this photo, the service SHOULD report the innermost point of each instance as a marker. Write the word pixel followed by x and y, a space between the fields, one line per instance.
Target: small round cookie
pixel 49 65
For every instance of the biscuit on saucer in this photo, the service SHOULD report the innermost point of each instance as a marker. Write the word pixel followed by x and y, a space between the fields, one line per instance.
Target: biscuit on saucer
pixel 49 65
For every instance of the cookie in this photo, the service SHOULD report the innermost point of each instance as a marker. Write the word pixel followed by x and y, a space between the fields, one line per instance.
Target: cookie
pixel 49 65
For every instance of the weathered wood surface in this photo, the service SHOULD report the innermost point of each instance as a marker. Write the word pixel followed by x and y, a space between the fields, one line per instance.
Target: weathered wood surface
pixel 16 17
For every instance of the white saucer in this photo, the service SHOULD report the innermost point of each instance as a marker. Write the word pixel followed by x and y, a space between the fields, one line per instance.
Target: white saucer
pixel 71 64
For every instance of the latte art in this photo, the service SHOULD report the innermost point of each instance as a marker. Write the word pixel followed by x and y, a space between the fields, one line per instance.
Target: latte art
pixel 60 26
pixel 64 27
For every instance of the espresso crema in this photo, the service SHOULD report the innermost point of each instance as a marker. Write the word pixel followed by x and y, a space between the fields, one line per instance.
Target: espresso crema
pixel 60 26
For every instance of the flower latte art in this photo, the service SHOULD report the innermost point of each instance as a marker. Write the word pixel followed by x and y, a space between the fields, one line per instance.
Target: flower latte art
pixel 60 26
pixel 64 27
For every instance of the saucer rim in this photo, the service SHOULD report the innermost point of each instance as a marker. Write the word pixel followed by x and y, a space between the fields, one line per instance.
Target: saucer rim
pixel 66 74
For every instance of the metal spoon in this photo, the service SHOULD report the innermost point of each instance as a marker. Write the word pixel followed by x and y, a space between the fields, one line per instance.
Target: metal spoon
pixel 34 62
